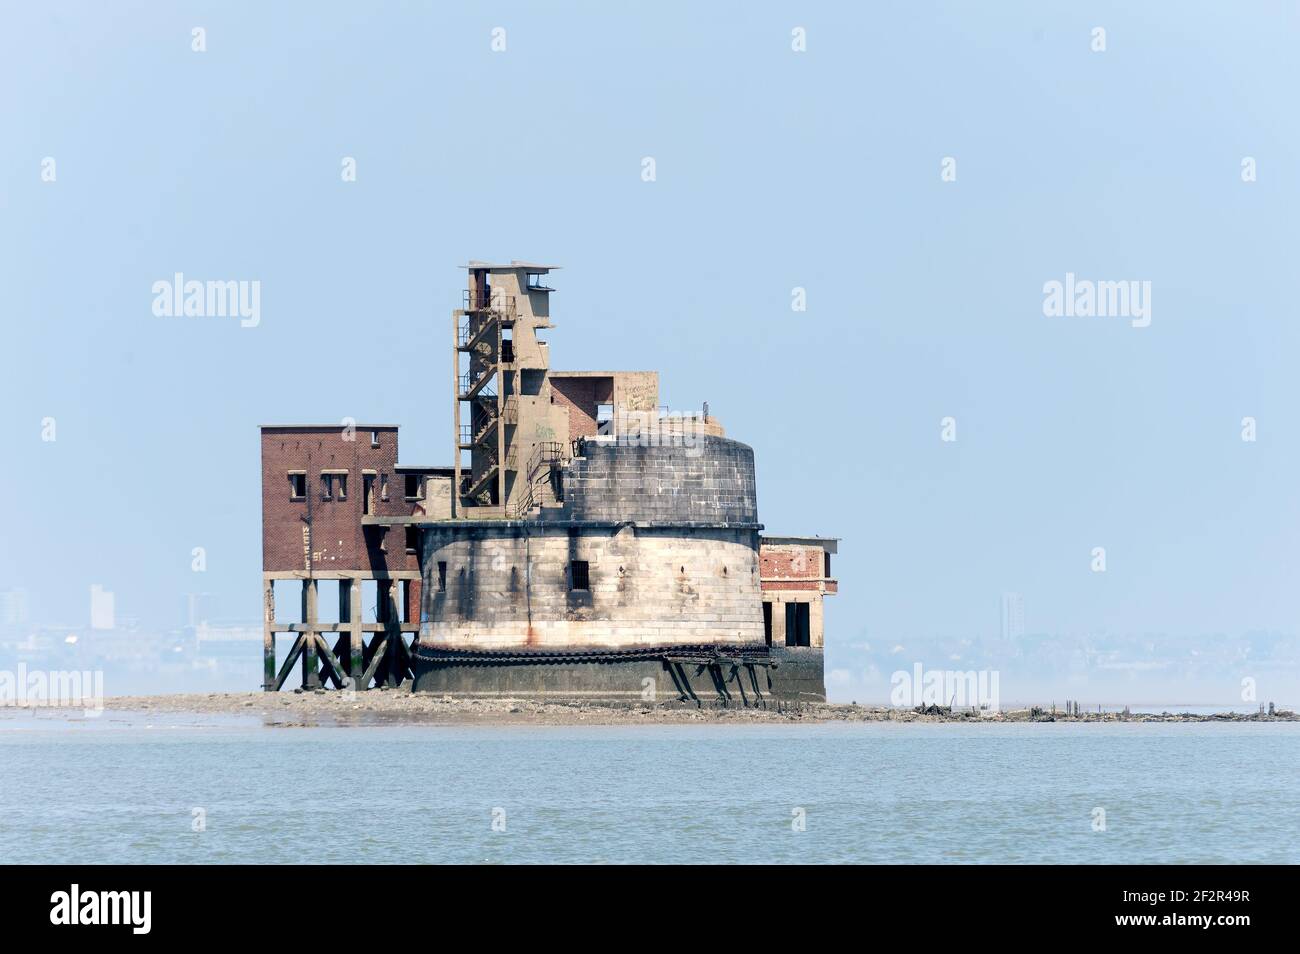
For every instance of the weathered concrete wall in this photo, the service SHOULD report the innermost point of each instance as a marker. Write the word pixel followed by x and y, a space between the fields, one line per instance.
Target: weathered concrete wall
pixel 510 587
pixel 709 480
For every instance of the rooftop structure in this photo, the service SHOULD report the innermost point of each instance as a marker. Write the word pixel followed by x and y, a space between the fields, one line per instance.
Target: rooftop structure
pixel 583 542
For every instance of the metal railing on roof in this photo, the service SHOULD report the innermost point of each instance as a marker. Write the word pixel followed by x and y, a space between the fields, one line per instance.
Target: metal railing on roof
pixel 502 305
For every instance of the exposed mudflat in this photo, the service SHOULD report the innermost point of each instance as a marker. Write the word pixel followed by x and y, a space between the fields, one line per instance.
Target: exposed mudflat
pixel 400 706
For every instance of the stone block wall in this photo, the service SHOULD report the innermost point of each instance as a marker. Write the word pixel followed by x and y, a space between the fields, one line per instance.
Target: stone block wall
pixel 511 587
pixel 709 480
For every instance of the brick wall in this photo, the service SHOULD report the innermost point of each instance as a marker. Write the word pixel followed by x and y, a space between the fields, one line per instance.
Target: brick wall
pixel 581 396
pixel 338 542
pixel 794 567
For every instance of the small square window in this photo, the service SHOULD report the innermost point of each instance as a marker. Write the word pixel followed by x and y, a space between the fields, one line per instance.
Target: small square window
pixel 414 486
pixel 579 575
pixel 297 485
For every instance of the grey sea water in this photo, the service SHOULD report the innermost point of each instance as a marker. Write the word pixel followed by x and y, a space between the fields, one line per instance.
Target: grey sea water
pixel 121 789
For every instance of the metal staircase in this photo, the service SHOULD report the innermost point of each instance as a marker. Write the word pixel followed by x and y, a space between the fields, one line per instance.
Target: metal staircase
pixel 548 458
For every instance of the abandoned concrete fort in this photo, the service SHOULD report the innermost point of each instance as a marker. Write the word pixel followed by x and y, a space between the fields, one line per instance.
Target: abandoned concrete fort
pixel 583 543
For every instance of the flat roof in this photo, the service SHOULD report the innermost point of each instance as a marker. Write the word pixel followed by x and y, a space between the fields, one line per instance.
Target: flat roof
pixel 336 426
pixel 530 266
pixel 829 544
pixel 593 374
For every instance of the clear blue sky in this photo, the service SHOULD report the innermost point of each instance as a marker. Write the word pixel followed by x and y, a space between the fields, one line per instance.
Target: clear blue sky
pixel 775 169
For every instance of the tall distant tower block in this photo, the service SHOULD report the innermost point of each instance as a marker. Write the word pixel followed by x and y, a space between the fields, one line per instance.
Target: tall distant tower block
pixel 585 543
pixel 1013 616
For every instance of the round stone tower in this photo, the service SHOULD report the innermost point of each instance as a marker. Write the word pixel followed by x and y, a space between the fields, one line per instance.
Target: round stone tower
pixel 641 584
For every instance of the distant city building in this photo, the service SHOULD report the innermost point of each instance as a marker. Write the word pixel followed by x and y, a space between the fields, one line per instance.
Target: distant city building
pixel 13 607
pixel 1013 615
pixel 194 611
pixel 101 607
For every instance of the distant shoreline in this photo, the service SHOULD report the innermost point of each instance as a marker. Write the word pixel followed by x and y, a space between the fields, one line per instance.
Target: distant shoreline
pixel 402 707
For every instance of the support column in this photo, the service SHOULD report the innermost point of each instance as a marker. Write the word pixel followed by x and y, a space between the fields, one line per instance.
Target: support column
pixel 268 635
pixel 358 634
pixel 345 617
pixel 310 660
pixel 389 592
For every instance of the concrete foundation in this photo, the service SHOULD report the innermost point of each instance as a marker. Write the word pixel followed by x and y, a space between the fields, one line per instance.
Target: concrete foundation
pixel 654 675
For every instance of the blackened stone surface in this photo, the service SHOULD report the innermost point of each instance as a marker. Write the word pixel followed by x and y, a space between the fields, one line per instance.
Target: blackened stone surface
pixel 710 481
pixel 796 678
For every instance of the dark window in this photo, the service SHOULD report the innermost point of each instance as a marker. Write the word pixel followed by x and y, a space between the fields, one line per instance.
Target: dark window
pixel 797 632
pixel 383 487
pixel 368 494
pixel 374 438
pixel 297 486
pixel 579 575
pixel 333 486
pixel 442 575
pixel 530 382
pixel 414 486
pixel 827 574
pixel 767 623
pixel 412 539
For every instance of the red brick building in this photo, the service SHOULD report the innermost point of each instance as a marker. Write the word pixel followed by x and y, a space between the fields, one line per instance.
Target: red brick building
pixel 324 488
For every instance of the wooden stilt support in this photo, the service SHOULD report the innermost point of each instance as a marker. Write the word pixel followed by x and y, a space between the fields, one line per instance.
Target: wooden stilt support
pixel 333 668
pixel 310 664
pixel 350 654
pixel 393 631
pixel 358 635
pixel 378 655
pixel 288 662
pixel 268 635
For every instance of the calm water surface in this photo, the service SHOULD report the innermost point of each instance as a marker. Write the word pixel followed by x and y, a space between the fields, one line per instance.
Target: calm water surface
pixel 123 788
